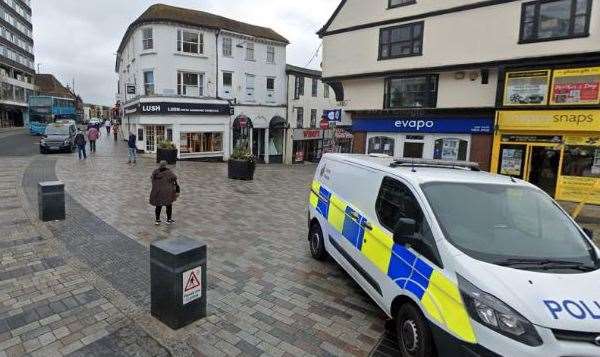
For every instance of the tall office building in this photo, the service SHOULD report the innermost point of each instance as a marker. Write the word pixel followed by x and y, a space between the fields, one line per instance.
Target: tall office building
pixel 16 61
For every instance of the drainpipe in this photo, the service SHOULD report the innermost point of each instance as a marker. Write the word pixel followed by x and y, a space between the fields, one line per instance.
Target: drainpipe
pixel 217 63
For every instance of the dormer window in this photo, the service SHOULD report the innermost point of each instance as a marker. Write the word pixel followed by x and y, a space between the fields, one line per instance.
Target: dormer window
pixel 398 3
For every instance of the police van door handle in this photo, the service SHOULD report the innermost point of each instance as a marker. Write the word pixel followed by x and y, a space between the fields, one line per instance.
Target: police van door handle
pixel 366 225
pixel 354 215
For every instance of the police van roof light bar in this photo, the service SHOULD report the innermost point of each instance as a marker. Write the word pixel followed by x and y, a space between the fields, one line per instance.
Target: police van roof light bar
pixel 473 166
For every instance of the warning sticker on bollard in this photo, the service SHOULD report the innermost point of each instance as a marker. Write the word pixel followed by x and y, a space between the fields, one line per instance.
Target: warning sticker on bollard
pixel 192 286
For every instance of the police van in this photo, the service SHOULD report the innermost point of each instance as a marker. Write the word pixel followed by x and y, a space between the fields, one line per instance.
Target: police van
pixel 466 263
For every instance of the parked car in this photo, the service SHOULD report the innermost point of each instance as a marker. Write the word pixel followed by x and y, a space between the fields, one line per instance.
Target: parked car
pixel 95 122
pixel 58 137
pixel 466 263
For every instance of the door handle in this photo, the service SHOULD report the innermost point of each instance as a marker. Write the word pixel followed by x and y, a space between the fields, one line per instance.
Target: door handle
pixel 354 215
pixel 366 225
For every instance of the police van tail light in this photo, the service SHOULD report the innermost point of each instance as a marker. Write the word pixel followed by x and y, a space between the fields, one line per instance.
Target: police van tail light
pixel 496 315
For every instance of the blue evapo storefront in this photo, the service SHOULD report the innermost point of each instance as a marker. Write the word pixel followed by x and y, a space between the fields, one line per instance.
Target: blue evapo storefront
pixel 443 138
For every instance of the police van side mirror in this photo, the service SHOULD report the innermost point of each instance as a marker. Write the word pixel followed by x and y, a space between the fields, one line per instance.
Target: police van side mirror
pixel 404 232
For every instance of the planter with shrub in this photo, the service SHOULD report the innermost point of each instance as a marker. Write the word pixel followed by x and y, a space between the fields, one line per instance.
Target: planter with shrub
pixel 242 165
pixel 167 151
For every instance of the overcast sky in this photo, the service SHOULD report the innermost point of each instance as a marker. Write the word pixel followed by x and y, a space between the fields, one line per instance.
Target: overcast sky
pixel 77 39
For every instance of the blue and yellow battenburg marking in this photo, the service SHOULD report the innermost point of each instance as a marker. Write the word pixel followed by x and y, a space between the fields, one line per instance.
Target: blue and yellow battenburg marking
pixel 439 296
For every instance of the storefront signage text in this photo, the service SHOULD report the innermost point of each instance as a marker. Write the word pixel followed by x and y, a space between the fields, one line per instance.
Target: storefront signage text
pixel 307 134
pixel 549 120
pixel 312 134
pixel 432 125
pixel 527 88
pixel 179 109
pixel 576 86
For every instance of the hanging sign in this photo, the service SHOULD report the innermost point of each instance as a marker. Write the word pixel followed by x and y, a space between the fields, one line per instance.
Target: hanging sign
pixel 577 86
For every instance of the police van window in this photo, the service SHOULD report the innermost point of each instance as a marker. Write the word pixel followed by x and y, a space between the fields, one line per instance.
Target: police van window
pixel 396 201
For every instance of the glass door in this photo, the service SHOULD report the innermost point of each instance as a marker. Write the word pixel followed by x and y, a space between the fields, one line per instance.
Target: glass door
pixel 150 138
pixel 512 160
pixel 543 168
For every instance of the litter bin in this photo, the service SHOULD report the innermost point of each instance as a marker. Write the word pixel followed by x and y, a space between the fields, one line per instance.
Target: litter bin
pixel 51 201
pixel 178 281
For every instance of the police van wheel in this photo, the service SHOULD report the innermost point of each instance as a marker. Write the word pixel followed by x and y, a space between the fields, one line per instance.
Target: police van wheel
pixel 413 333
pixel 317 243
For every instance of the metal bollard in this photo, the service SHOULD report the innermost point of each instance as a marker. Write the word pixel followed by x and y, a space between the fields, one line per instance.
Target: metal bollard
pixel 178 281
pixel 51 201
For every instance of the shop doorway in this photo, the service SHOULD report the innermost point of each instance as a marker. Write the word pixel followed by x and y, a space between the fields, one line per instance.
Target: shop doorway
pixel 535 163
pixel 258 144
pixel 543 168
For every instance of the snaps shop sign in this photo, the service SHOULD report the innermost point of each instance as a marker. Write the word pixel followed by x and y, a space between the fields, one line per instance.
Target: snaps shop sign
pixel 179 109
pixel 425 125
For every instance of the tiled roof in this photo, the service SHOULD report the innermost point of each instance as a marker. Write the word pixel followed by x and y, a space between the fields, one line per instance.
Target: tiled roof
pixel 49 85
pixel 167 13
pixel 304 71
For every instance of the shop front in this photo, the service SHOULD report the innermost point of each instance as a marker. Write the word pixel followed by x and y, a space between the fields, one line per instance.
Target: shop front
pixel 199 130
pixel 556 150
pixel 308 145
pixel 443 138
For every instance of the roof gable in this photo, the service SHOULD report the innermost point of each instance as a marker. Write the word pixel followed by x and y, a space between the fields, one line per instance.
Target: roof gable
pixel 325 27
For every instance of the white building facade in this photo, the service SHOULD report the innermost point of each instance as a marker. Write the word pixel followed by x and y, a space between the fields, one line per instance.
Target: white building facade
pixel 185 76
pixel 311 102
pixel 424 78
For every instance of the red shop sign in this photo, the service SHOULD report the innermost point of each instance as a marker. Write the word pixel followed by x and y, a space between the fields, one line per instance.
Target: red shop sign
pixel 312 134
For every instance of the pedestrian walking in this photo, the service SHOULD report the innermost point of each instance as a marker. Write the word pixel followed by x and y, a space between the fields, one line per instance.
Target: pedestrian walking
pixel 80 142
pixel 93 135
pixel 165 190
pixel 132 149
pixel 108 127
pixel 116 131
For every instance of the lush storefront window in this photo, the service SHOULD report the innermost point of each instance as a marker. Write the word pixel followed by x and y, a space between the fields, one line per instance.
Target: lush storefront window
pixel 201 142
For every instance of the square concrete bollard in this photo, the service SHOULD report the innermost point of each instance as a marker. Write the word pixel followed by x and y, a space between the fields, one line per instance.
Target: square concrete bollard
pixel 51 201
pixel 178 281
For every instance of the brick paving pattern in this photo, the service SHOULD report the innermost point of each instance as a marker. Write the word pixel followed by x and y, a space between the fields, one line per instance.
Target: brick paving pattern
pixel 80 287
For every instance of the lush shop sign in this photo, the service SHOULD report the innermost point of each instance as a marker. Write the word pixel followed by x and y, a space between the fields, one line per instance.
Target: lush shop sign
pixel 577 86
pixel 550 120
pixel 179 109
pixel 424 125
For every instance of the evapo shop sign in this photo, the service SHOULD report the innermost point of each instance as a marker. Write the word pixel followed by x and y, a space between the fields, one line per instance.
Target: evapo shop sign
pixel 179 109
pixel 425 125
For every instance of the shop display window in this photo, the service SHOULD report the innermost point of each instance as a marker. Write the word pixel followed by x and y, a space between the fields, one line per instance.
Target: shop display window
pixel 581 161
pixel 381 145
pixel 413 150
pixel 451 149
pixel 200 142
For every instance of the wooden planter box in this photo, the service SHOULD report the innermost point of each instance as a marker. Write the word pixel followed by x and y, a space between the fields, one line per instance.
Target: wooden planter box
pixel 169 155
pixel 241 170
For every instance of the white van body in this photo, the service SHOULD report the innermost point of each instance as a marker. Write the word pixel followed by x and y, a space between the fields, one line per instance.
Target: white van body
pixel 562 308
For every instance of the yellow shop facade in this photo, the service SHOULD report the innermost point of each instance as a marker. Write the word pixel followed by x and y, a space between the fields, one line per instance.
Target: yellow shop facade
pixel 557 150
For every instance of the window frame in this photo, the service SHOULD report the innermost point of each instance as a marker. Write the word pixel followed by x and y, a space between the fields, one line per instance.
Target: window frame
pixel 250 85
pixel 315 87
pixel 250 49
pixel 267 84
pixel 230 85
pixel 148 84
pixel 299 84
pixel 147 43
pixel 229 46
pixel 537 5
pixel 433 80
pixel 409 2
pixel 300 118
pixel 313 118
pixel 181 42
pixel 270 52
pixel 181 84
pixel 412 25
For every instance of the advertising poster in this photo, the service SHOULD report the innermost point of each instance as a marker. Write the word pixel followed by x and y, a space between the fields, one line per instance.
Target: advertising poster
pixel 512 162
pixel 527 88
pixel 578 189
pixel 578 86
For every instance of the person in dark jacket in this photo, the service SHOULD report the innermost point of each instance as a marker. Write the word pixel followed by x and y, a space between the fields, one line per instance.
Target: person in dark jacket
pixel 132 148
pixel 80 142
pixel 164 191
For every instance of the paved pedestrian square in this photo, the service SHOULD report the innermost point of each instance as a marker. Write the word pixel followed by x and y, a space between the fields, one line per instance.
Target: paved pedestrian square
pixel 81 286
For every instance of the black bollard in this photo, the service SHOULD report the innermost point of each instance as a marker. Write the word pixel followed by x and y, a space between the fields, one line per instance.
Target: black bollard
pixel 51 201
pixel 178 281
